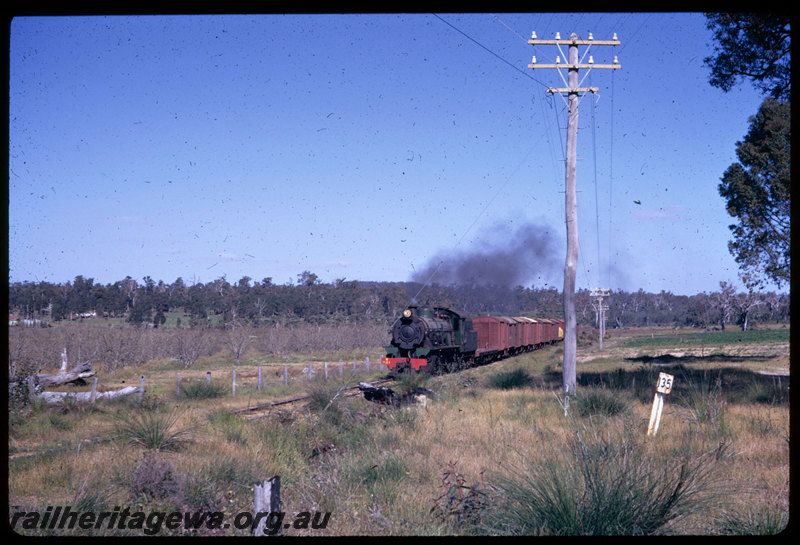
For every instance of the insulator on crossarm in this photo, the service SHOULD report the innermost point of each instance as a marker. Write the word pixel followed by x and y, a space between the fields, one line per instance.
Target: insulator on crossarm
pixel 533 60
pixel 558 60
pixel 614 37
pixel 591 37
pixel 558 35
pixel 591 60
pixel 533 35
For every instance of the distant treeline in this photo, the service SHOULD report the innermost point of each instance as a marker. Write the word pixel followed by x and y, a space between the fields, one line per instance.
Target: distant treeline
pixel 258 303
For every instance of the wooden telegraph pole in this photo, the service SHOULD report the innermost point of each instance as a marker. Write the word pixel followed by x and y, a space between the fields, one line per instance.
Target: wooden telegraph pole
pixel 572 91
pixel 600 309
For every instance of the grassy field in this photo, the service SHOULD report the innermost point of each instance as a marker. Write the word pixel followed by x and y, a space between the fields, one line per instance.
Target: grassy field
pixel 492 452
pixel 710 338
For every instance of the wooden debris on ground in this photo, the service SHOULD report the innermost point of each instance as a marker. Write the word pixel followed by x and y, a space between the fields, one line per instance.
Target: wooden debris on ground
pixel 387 396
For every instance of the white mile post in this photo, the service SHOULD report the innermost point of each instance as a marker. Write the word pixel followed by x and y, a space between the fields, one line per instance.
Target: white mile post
pixel 663 388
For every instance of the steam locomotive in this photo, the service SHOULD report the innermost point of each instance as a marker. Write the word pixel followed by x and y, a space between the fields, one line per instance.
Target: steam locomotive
pixel 438 339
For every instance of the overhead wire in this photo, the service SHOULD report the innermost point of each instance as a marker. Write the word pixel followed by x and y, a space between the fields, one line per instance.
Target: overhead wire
pixel 596 195
pixel 508 179
pixel 476 42
pixel 547 132
pixel 611 183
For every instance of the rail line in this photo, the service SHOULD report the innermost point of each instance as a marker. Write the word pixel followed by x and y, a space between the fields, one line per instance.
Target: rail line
pixel 256 410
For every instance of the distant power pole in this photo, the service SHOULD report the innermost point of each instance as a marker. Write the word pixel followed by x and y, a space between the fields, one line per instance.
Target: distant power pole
pixel 572 91
pixel 600 309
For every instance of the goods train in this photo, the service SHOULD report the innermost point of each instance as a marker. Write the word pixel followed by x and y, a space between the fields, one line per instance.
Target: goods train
pixel 438 339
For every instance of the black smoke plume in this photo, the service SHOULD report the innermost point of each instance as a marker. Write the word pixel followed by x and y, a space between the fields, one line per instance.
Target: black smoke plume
pixel 502 256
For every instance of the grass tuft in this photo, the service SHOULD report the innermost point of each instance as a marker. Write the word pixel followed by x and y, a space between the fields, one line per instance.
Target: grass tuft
pixel 153 428
pixel 203 390
pixel 599 401
pixel 603 482
pixel 753 520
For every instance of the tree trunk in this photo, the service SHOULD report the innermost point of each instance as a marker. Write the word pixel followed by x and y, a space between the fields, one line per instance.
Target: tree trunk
pixel 57 397
pixel 78 373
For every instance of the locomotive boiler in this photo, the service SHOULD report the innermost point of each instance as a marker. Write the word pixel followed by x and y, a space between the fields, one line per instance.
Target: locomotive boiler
pixel 434 338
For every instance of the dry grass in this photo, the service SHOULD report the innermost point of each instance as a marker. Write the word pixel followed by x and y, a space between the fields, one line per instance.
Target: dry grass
pixel 381 470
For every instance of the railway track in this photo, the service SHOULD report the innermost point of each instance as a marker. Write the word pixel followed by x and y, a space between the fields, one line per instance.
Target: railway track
pixel 258 411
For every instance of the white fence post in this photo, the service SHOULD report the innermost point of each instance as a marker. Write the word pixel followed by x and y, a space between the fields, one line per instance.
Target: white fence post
pixel 94 390
pixel 32 388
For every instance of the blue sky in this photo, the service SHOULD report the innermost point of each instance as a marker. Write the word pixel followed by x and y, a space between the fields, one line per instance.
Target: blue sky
pixel 362 146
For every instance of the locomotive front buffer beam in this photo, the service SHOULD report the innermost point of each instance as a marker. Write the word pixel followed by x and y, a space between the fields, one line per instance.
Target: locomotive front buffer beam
pixel 415 363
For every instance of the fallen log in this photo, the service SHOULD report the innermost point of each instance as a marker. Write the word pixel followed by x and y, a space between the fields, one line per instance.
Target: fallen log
pixel 32 385
pixel 380 394
pixel 386 396
pixel 77 374
pixel 59 397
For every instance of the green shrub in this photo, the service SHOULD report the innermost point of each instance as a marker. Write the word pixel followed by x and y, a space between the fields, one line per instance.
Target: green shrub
pixel 506 380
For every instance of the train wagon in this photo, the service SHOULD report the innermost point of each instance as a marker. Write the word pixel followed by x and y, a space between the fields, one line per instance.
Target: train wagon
pixel 549 330
pixel 494 336
pixel 528 331
pixel 561 327
pixel 514 335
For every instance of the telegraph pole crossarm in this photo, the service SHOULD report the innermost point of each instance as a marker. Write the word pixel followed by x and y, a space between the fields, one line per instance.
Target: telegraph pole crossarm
pixel 573 89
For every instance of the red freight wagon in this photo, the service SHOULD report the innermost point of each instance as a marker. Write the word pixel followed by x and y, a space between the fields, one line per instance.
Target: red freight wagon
pixel 514 334
pixel 536 331
pixel 494 333
pixel 547 329
pixel 528 331
pixel 554 333
pixel 553 330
